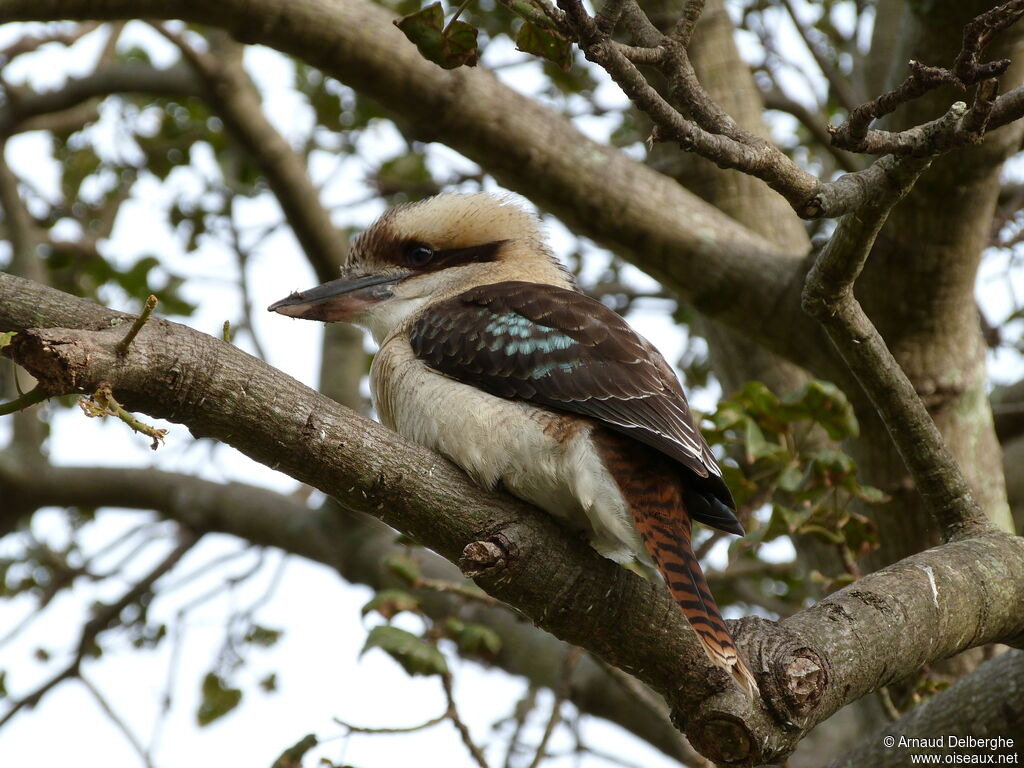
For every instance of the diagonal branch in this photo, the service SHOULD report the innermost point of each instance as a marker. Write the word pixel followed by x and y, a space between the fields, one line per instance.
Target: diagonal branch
pixel 963 594
pixel 354 545
pixel 648 218
pixel 232 95
pixel 985 703
pixel 828 297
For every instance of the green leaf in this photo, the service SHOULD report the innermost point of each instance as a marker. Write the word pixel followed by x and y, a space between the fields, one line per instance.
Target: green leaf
pixel 405 568
pixel 417 656
pixel 473 639
pixel 792 477
pixel 831 468
pixel 218 699
pixel 5 338
pixel 757 399
pixel 757 447
pixel 262 636
pixel 870 494
pixel 448 47
pixel 390 602
pixel 292 757
pixel 825 404
pixel 546 43
pixel 269 683
pixel 860 533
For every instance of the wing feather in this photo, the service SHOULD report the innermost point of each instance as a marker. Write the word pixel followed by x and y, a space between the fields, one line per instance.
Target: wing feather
pixel 563 350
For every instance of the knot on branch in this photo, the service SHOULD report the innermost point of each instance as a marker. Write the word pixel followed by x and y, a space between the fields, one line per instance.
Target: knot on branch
pixel 54 362
pixel 724 739
pixel 482 557
pixel 793 676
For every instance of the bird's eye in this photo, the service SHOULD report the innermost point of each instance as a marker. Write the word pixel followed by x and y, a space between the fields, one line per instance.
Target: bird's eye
pixel 419 255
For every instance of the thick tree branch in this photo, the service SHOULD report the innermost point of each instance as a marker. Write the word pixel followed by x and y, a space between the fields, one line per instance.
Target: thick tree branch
pixel 25 107
pixel 988 703
pixel 354 545
pixel 721 268
pixel 964 594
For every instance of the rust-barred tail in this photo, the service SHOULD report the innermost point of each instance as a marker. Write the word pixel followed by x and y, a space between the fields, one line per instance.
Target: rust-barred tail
pixel 655 495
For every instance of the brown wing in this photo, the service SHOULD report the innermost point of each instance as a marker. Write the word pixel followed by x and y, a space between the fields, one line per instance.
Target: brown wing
pixel 565 351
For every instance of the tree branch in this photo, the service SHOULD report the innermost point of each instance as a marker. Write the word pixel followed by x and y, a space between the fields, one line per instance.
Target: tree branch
pixel 25 107
pixel 354 545
pixel 828 296
pixel 986 703
pixel 232 95
pixel 810 665
pixel 714 263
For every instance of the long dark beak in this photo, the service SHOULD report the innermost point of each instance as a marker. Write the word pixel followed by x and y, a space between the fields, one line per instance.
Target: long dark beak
pixel 339 300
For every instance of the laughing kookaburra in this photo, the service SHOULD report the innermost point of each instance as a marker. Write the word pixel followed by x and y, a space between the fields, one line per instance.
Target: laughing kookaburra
pixel 490 355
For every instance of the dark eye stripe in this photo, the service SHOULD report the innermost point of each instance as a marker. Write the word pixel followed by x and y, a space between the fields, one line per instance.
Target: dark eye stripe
pixel 453 257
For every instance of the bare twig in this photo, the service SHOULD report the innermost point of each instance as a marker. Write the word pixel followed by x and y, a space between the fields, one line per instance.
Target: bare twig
pixel 854 133
pixel 25 401
pixel 572 657
pixel 141 320
pixel 117 720
pixel 453 715
pixel 396 729
pixel 30 43
pixel 103 618
pixel 840 87
pixel 520 714
pixel 101 403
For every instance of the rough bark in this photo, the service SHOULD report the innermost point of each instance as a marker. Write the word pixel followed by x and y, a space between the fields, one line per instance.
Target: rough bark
pixel 878 630
pixel 918 289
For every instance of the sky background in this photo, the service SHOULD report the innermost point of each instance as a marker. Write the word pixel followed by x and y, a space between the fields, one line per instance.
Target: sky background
pixel 317 663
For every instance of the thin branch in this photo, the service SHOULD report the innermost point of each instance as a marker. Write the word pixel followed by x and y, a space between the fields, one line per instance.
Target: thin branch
pixel 572 657
pixel 147 311
pixel 520 715
pixel 814 123
pixel 31 43
pixel 101 404
pixel 854 133
pixel 232 95
pixel 395 729
pixel 683 31
pixel 26 107
pixel 103 618
pixel 117 720
pixel 837 82
pixel 828 297
pixel 27 400
pixel 453 715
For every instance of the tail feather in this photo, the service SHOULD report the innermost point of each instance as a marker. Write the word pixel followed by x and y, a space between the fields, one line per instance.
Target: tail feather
pixel 668 542
pixel 657 500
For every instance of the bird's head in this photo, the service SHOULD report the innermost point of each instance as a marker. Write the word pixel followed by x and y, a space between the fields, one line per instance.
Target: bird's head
pixel 427 251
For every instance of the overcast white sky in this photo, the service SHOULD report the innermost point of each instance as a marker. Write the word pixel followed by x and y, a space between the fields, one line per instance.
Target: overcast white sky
pixel 317 664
